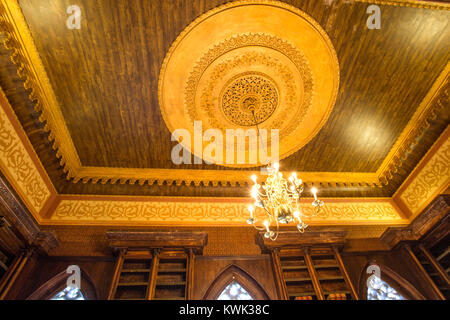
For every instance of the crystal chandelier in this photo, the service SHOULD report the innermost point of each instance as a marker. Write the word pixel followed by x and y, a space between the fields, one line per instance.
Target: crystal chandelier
pixel 279 201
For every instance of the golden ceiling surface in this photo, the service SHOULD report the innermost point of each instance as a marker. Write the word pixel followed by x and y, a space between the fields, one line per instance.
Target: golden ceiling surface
pixel 235 59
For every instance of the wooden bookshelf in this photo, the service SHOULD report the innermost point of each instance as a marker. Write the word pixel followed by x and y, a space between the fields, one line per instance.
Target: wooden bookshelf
pixel 171 279
pixel 154 265
pixel 133 277
pixel 309 267
pixel 330 276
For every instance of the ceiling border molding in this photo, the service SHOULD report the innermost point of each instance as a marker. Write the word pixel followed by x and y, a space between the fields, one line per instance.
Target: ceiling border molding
pixel 185 211
pixel 409 3
pixel 31 70
pixel 433 104
pixel 20 164
pixel 25 56
pixel 429 178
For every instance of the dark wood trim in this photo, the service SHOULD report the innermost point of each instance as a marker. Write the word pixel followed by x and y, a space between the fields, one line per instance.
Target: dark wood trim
pixel 12 268
pixel 313 274
pixel 344 272
pixel 149 239
pixel 317 238
pixel 436 265
pixel 21 264
pixel 116 276
pixel 189 294
pixel 278 274
pixel 423 271
pixel 22 222
pixel 436 211
pixel 150 295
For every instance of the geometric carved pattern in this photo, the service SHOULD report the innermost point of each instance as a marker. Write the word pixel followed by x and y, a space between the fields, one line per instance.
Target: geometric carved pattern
pixel 250 64
pixel 20 168
pixel 434 176
pixel 213 213
pixel 246 93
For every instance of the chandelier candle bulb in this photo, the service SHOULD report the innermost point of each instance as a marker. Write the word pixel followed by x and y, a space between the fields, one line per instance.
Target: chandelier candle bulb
pixel 250 208
pixel 279 198
pixel 266 224
pixel 314 192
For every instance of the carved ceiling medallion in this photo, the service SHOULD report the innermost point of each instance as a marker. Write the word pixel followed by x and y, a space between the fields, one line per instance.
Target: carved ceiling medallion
pixel 223 67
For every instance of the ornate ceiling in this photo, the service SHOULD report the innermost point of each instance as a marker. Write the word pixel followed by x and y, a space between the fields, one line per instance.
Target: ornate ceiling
pixel 357 109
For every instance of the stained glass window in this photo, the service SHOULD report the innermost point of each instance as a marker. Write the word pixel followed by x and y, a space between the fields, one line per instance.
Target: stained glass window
pixel 69 293
pixel 234 291
pixel 380 290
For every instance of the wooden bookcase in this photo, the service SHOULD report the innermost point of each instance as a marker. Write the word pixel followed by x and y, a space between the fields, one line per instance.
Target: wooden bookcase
pixel 309 266
pixel 172 276
pixel 154 265
pixel 435 261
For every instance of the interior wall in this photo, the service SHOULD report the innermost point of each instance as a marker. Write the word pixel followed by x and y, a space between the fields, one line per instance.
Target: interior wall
pixel 397 260
pixel 259 267
pixel 40 270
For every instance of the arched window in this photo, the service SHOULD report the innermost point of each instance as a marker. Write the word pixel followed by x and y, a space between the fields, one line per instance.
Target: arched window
pixel 234 291
pixel 379 290
pixel 69 293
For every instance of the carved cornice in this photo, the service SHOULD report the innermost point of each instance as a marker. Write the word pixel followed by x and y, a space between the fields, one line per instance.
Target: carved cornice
pixel 21 220
pixel 435 102
pixel 435 212
pixel 30 68
pixel 136 240
pixel 24 55
pixel 45 242
pixel 291 239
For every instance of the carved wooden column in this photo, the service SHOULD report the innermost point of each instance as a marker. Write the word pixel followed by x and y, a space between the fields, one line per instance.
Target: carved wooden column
pixel 423 271
pixel 436 265
pixel 153 274
pixel 116 276
pixel 190 275
pixel 347 279
pixel 278 273
pixel 313 274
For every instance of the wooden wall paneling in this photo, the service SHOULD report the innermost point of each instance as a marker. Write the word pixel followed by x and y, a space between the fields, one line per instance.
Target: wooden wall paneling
pixel 278 274
pixel 423 271
pixel 190 275
pixel 209 268
pixel 436 265
pixel 313 274
pixel 344 272
pixel 153 275
pixel 116 276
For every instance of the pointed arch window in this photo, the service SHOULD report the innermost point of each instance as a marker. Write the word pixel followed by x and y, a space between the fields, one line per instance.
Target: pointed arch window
pixel 69 293
pixel 379 290
pixel 234 291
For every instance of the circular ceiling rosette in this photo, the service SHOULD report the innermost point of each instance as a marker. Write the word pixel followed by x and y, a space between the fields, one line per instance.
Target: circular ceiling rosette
pixel 250 62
